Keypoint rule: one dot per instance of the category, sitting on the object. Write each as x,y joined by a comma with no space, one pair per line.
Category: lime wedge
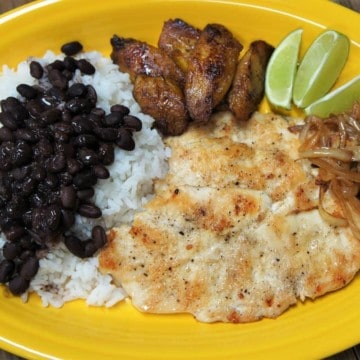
320,67
281,69
337,101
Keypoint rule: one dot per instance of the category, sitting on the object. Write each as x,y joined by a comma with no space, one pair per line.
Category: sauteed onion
333,146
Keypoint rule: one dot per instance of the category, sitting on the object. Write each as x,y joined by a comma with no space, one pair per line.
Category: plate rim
38,4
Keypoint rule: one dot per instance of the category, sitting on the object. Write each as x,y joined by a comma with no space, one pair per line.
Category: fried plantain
247,89
178,39
139,58
163,99
211,69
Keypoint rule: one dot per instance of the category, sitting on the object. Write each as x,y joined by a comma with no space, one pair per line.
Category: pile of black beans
55,144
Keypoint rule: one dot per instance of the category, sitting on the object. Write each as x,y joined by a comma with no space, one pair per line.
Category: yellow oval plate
311,330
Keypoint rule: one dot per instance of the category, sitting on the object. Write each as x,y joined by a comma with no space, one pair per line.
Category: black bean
6,134
68,197
90,248
56,163
89,211
22,153
67,219
70,63
61,137
75,245
26,243
50,182
27,91
55,95
68,149
84,179
107,134
56,65
73,166
26,254
14,209
38,172
98,235
34,124
28,186
18,285
124,110
35,108
101,172
86,67
97,112
132,123
36,70
53,217
91,95
7,268
36,200
19,113
106,153
71,48
113,119
65,178
68,74
38,220
5,163
87,140
125,140
8,120
9,103
51,116
57,79
29,268
81,125
14,232
46,220
77,90
87,156
42,133
79,106
5,220
20,173
43,149
7,148
26,218
64,127
25,134
11,250
85,194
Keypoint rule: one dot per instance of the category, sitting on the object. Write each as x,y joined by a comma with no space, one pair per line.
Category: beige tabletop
349,354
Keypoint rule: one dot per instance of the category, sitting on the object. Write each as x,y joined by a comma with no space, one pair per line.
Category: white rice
62,277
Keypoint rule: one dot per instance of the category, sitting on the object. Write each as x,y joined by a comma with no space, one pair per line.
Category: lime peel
337,101
281,70
320,67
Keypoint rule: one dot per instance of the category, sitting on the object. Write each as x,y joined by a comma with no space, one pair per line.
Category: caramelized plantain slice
211,70
247,89
178,39
139,58
163,99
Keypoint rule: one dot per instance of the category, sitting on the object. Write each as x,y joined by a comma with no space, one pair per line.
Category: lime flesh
337,101
281,70
320,67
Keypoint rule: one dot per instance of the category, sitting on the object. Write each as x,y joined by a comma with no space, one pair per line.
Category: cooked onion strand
333,145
